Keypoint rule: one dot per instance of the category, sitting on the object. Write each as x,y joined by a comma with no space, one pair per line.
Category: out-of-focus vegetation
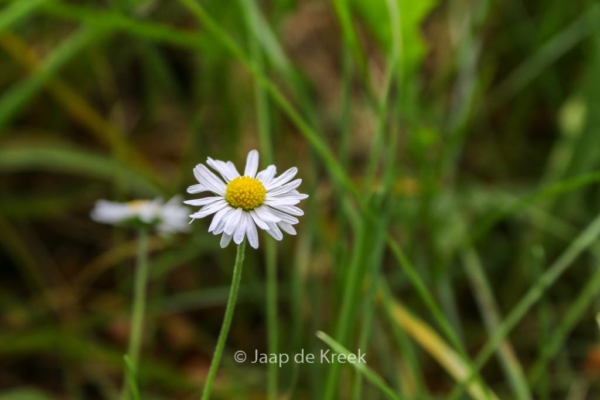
451,150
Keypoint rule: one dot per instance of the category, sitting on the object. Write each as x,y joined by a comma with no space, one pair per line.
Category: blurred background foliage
450,148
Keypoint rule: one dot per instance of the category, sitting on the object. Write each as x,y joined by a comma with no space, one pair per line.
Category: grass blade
133,387
489,311
17,11
436,347
72,160
16,98
581,243
360,367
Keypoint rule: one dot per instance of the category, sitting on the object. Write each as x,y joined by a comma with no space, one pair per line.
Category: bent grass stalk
235,287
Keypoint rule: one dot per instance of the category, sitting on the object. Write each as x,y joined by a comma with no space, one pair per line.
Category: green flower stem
139,308
235,286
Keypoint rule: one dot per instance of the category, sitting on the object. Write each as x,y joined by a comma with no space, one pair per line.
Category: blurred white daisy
244,202
169,217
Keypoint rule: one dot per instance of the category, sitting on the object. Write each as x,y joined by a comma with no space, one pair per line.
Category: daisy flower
242,203
169,217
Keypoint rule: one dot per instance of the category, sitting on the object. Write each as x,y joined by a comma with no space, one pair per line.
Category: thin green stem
235,287
138,310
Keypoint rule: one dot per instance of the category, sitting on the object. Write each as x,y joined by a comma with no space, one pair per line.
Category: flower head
241,203
166,217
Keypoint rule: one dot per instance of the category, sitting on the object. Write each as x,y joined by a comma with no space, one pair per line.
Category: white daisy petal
233,221
225,239
258,221
165,218
251,233
290,195
218,217
149,211
284,189
276,202
203,202
210,209
109,212
266,175
275,232
282,179
240,230
290,210
197,189
221,224
233,168
175,200
209,180
283,200
220,166
287,228
283,216
251,164
266,215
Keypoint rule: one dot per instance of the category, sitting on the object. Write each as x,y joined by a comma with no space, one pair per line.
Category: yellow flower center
136,204
245,192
